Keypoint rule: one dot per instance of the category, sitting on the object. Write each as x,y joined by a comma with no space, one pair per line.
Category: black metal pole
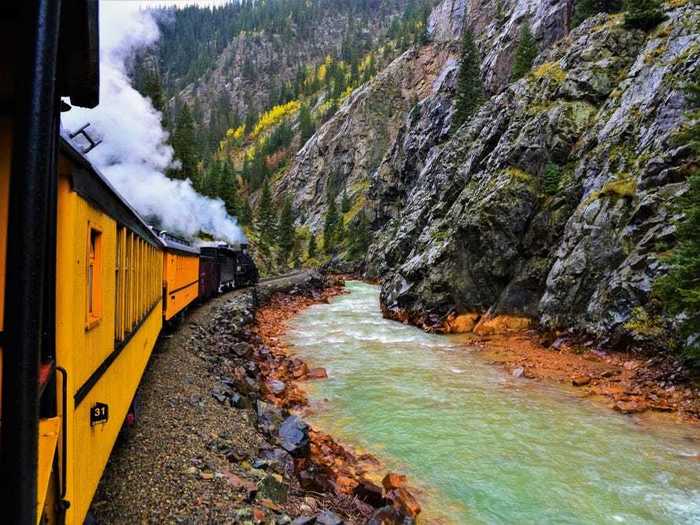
25,290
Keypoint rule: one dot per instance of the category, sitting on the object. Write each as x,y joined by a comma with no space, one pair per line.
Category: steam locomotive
85,284
212,268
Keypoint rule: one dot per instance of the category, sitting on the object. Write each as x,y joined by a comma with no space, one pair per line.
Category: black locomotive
223,267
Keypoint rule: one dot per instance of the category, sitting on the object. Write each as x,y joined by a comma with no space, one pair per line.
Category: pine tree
470,91
285,231
153,89
526,53
183,142
359,237
306,125
643,14
312,247
265,223
251,118
552,178
587,8
245,215
330,226
296,253
680,288
228,189
345,202
339,233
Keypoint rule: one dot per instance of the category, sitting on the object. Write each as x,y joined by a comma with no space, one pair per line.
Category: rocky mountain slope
553,205
232,63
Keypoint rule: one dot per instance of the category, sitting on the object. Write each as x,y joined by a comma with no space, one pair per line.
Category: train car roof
93,186
174,244
224,248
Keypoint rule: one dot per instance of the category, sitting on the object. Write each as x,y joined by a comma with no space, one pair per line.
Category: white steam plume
134,154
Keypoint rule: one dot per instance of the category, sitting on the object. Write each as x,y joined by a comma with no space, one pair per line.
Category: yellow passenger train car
180,275
81,275
108,318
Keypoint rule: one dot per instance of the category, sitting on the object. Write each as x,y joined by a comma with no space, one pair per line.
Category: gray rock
269,417
327,517
304,520
242,349
278,460
276,386
294,436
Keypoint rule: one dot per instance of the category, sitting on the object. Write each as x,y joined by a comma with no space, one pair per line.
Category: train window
94,277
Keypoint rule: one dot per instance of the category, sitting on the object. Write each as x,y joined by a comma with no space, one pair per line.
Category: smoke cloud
134,154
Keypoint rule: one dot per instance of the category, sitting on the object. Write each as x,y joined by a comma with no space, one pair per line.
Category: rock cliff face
478,232
350,146
552,205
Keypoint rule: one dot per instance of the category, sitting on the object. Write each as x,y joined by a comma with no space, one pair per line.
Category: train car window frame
93,277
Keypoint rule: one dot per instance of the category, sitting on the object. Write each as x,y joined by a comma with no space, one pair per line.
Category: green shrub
470,90
586,8
643,14
552,179
526,53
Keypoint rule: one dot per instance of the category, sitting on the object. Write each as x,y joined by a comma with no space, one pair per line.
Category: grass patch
550,70
622,187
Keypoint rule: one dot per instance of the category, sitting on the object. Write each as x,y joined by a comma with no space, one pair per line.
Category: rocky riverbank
215,441
632,381
325,466
627,382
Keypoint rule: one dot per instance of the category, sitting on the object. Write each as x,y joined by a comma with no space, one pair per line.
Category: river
479,445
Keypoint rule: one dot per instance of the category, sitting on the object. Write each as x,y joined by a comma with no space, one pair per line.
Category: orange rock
630,407
499,324
461,324
581,380
258,515
404,501
317,373
394,481
345,485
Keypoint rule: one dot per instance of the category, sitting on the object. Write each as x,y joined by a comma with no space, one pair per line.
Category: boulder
313,480
304,520
273,487
317,373
269,417
630,407
276,386
404,501
294,436
219,396
394,480
242,349
581,380
389,515
278,460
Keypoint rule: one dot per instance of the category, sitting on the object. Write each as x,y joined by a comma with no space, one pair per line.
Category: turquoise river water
479,445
